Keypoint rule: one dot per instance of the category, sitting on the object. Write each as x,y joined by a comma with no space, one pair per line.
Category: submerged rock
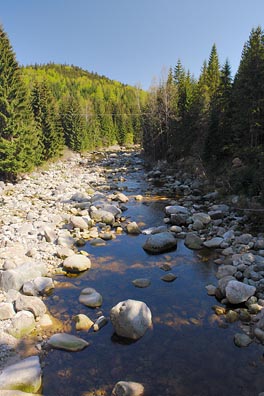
242,340
91,298
141,282
193,241
131,318
67,342
128,388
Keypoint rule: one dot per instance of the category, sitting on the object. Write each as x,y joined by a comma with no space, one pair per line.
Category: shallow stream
187,352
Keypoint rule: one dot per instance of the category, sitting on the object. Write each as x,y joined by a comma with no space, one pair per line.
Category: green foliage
18,132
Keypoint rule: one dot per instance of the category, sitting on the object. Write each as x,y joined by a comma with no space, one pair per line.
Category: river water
187,352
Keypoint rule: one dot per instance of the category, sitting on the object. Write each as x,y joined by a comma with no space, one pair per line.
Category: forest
215,119
45,108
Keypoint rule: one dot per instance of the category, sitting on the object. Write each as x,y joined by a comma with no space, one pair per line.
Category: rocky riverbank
48,216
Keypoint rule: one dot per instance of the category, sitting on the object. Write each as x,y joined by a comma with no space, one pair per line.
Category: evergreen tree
248,94
217,145
47,119
213,72
74,125
18,132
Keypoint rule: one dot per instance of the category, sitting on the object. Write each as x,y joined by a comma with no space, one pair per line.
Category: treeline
214,118
45,107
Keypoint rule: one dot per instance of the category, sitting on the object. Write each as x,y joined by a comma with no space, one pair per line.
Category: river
189,350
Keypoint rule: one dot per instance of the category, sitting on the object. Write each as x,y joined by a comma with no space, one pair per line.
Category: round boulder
131,318
159,243
77,263
91,298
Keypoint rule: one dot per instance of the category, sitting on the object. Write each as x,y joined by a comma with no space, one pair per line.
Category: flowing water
187,352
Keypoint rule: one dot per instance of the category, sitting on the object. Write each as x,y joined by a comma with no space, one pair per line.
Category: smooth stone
259,334
128,388
193,241
141,282
168,277
98,242
165,267
24,375
100,322
232,316
83,322
67,342
43,285
211,290
213,243
17,393
242,340
102,216
79,222
225,270
160,243
238,292
6,311
32,304
21,324
91,298
15,278
174,209
131,318
204,218
133,228
77,263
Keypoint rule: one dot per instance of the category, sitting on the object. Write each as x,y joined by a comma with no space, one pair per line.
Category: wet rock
91,298
259,334
219,310
131,318
121,197
43,285
159,243
123,388
238,292
211,290
100,322
242,340
193,241
67,342
82,322
77,263
139,198
141,282
232,316
168,277
154,230
98,242
24,376
133,228
17,393
244,239
244,315
223,282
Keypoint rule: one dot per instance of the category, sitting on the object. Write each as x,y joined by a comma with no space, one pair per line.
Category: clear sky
129,40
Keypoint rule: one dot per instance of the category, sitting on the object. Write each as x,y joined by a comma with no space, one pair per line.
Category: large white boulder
131,318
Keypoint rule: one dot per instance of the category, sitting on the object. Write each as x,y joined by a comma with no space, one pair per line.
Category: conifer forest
213,119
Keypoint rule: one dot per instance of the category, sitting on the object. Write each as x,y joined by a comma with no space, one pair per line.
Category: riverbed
188,351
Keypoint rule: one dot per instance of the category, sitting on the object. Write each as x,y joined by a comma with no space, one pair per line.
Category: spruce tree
74,125
47,119
18,132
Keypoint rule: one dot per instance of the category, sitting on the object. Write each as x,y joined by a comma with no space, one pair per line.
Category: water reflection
187,352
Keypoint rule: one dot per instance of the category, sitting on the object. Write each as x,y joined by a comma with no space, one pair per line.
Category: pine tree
18,132
47,119
213,72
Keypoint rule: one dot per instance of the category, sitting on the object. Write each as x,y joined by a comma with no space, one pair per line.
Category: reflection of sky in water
185,353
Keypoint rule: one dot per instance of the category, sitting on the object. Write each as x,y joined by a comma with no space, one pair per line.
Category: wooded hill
216,119
45,107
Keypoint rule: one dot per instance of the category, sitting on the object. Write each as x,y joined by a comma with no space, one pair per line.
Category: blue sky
129,40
